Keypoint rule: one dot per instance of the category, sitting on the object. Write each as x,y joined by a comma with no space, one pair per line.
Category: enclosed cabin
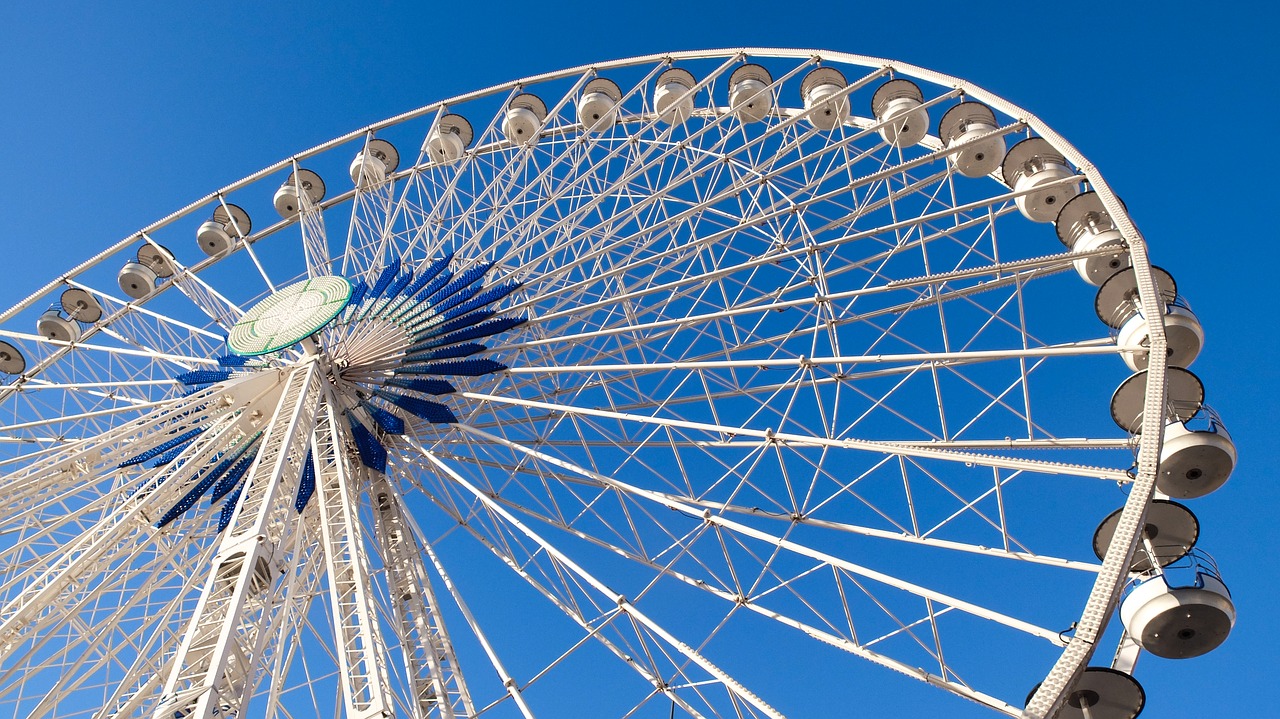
300,191
825,102
897,105
1119,305
673,95
52,325
11,360
1101,693
1085,227
62,321
1184,398
1181,610
965,130
523,120
374,164
598,105
1176,604
449,139
750,99
139,278
1197,456
219,233
1040,174
1170,532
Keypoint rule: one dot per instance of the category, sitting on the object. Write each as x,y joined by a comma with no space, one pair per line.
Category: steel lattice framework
718,391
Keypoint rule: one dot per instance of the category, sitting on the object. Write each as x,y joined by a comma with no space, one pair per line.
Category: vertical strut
437,683
361,653
215,669
315,243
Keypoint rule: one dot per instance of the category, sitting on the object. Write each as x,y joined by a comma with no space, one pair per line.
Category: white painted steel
437,684
361,651
748,317
215,670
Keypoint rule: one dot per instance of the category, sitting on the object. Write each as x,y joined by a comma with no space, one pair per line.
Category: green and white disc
289,316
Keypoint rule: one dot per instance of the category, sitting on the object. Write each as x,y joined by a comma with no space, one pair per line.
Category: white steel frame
645,251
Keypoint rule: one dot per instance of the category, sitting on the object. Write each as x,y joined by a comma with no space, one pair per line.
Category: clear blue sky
113,115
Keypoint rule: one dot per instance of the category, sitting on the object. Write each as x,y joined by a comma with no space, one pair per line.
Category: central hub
289,316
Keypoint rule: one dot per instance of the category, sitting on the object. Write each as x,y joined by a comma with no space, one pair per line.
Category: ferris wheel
640,390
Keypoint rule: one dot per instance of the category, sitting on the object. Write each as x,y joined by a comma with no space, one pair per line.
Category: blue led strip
386,421
229,508
225,462
433,412
306,484
203,377
445,314
177,442
372,454
231,479
488,328
425,386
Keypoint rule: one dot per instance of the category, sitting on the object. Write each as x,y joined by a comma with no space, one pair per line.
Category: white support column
214,671
924,451
432,666
361,652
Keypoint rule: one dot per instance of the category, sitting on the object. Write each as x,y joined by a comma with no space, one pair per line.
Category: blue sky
115,115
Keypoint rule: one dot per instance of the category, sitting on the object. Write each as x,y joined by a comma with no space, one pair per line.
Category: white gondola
373,164
303,187
824,102
1102,693
220,233
522,122
963,124
1035,168
137,280
1185,397
750,99
1184,611
673,96
598,106
1182,329
1171,531
1120,307
449,139
52,325
897,103
11,360
1197,456
80,305
158,258
1085,226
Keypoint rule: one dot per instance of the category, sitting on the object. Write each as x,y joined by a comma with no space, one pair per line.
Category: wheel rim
739,306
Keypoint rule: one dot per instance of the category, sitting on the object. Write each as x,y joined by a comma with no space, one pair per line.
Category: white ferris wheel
616,392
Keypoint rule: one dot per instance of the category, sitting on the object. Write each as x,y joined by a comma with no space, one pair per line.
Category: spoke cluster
388,348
